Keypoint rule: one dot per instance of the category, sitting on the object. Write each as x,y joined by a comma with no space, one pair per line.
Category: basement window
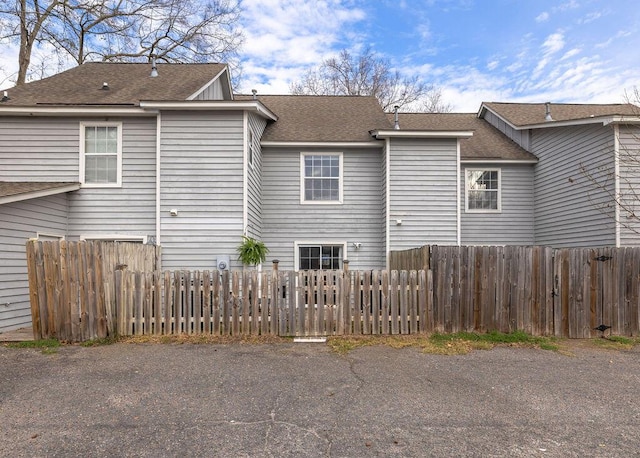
316,257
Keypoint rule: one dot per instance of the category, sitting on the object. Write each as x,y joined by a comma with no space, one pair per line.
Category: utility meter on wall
222,263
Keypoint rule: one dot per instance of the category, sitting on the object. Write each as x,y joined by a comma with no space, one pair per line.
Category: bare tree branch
367,74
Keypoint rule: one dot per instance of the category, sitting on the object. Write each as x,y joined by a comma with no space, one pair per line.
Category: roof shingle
486,143
16,188
525,114
129,83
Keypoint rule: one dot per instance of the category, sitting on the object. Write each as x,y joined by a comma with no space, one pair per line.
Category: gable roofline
216,105
21,190
382,134
605,119
76,110
225,70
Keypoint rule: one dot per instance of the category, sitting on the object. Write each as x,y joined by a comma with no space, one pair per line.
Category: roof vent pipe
154,68
396,124
548,115
255,94
5,97
105,86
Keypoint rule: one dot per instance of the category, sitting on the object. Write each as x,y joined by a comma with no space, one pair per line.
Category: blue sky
583,51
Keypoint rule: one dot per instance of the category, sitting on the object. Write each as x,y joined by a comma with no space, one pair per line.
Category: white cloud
542,17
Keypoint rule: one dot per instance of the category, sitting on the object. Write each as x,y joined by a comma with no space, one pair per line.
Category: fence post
346,265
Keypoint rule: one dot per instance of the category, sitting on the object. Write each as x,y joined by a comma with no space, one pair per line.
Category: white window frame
251,147
49,236
115,238
314,243
466,190
340,179
83,127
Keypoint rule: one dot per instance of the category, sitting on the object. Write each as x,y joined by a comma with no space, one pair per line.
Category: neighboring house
178,160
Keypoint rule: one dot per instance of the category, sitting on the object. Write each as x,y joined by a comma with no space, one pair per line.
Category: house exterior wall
514,224
357,220
629,154
201,177
521,137
131,208
571,209
212,92
39,149
20,221
423,181
257,125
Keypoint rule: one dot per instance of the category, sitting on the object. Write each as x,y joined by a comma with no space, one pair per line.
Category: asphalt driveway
303,400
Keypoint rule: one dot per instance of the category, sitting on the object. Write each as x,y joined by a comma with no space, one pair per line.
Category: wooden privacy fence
305,303
539,290
71,285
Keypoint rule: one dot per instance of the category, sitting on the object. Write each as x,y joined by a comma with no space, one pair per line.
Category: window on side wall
321,181
101,154
250,149
316,257
483,190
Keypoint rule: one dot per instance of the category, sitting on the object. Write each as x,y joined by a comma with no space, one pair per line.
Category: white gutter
421,134
245,172
498,161
254,106
458,211
37,194
267,144
387,145
616,161
158,172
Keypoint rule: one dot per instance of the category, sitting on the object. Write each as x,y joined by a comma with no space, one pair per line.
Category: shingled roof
129,83
526,114
486,143
319,118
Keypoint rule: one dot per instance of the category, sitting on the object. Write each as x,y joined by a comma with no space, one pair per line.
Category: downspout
245,172
387,146
458,212
158,169
616,171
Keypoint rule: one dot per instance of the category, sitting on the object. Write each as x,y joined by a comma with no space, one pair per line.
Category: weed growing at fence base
445,344
616,342
48,346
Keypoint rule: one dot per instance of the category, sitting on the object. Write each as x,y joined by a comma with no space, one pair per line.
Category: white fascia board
421,133
37,194
623,120
267,144
222,105
498,161
199,91
75,111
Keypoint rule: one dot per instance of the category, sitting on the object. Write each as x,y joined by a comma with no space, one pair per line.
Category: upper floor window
101,154
483,190
321,178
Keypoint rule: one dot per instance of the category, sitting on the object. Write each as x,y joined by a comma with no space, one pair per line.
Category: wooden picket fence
71,285
304,303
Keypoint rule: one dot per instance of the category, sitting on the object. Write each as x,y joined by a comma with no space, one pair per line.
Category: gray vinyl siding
521,137
39,149
357,220
383,197
514,224
423,188
211,92
20,221
572,210
629,185
130,209
257,125
202,177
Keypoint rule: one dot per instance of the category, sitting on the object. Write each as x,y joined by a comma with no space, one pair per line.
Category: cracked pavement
301,400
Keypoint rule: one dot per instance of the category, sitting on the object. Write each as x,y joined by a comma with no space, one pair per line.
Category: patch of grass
445,344
99,342
616,342
48,346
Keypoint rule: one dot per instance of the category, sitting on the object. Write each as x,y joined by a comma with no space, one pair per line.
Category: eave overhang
76,110
498,161
211,105
40,193
278,144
